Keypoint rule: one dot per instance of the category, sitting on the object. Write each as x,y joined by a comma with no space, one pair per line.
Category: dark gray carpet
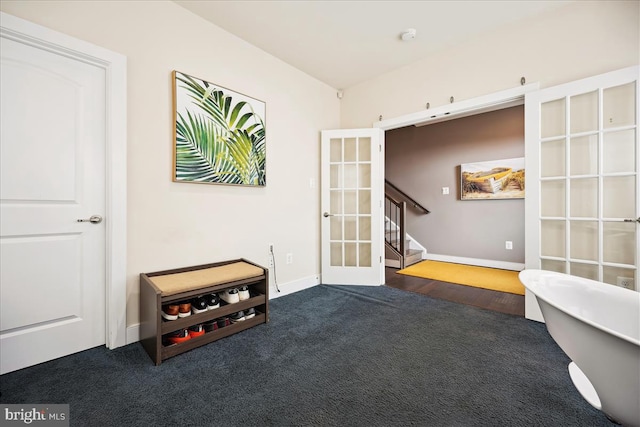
330,356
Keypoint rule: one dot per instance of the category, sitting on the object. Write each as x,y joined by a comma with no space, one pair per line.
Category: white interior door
52,288
352,222
582,171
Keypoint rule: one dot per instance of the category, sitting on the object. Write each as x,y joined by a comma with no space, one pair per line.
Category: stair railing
395,232
407,197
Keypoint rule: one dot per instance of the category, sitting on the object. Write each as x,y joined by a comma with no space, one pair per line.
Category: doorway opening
423,154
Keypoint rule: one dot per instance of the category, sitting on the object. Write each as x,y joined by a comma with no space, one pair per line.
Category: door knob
326,214
632,220
94,219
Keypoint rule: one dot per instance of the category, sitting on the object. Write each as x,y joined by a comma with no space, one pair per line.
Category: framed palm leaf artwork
219,134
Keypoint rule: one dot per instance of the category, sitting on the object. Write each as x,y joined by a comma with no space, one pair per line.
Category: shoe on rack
243,293
196,331
213,301
198,305
185,309
223,321
230,296
211,325
249,313
170,311
176,337
237,317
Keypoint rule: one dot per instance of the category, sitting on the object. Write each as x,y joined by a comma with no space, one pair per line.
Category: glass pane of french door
589,183
350,201
349,204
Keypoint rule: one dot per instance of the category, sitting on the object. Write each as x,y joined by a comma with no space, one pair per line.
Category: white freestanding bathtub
598,326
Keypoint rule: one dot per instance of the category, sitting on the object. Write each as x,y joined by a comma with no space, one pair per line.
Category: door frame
115,68
482,104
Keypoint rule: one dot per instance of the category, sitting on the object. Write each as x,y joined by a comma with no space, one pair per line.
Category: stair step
413,256
408,251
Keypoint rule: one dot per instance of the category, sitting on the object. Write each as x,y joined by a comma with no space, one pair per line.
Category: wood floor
483,298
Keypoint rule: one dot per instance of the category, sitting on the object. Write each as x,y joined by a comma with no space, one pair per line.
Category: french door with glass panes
351,206
587,187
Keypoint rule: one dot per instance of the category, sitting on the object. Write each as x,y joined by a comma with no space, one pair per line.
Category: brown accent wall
422,160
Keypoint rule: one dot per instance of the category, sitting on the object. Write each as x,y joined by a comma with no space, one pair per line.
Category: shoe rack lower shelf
175,349
190,282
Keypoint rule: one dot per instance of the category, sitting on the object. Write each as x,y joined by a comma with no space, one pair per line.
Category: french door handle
326,214
632,220
94,219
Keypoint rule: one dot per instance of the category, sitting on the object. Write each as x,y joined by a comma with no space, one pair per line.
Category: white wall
176,224
579,40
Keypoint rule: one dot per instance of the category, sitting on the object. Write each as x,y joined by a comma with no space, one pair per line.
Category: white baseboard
133,333
295,286
504,265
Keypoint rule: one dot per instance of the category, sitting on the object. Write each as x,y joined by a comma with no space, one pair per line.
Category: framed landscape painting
497,179
219,136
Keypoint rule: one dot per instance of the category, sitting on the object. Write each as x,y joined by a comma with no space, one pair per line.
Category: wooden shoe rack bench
183,284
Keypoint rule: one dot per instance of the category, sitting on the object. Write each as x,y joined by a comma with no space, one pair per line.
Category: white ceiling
343,43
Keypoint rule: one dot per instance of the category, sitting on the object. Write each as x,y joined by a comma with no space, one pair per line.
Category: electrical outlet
445,190
625,282
270,255
508,245
289,258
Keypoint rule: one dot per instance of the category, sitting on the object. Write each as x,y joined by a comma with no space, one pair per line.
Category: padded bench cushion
171,284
